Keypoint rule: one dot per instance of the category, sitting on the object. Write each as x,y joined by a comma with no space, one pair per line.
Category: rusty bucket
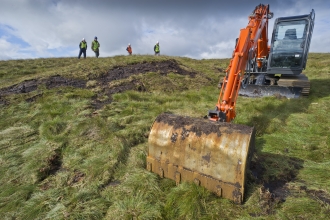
212,154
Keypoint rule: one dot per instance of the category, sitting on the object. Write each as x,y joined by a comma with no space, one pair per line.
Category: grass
61,159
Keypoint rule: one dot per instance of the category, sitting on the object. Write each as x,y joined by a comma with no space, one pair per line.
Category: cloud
193,28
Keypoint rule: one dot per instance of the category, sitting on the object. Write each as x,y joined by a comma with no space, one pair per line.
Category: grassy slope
101,157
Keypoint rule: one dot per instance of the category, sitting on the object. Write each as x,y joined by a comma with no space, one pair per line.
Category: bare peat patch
117,73
274,189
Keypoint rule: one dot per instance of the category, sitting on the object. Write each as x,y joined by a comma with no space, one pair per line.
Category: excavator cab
282,71
290,44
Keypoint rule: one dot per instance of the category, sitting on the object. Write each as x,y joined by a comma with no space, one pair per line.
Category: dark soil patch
24,87
276,190
58,81
106,91
319,195
112,183
32,85
45,186
162,68
34,98
117,73
77,177
3,101
124,72
54,163
201,126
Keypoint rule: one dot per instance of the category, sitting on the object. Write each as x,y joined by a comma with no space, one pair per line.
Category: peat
117,73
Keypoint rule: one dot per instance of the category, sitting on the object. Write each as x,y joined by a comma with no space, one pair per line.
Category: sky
197,29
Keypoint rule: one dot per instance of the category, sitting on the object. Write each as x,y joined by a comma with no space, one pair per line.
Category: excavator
214,152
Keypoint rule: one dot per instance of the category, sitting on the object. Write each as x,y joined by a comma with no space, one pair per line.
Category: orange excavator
215,153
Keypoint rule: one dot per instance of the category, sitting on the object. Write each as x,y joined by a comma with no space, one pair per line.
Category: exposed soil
117,73
201,126
275,191
163,68
32,85
319,195
77,177
54,163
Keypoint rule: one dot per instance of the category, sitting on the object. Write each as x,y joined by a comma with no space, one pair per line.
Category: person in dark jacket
83,48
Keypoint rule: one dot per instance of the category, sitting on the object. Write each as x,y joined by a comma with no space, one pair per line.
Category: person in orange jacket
129,49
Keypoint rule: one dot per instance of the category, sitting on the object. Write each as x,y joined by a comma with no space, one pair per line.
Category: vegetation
63,157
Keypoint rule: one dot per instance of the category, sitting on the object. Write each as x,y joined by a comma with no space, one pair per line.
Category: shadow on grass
319,89
273,171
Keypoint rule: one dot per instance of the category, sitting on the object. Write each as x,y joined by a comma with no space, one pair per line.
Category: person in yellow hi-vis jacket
157,49
83,48
95,47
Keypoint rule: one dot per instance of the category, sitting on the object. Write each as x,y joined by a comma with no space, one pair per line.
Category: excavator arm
252,42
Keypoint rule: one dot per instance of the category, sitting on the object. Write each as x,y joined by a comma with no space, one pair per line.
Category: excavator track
287,86
300,81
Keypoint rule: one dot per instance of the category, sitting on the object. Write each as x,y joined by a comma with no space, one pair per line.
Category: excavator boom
252,42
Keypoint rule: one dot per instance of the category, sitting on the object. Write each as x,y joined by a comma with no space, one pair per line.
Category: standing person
157,49
83,48
129,49
95,47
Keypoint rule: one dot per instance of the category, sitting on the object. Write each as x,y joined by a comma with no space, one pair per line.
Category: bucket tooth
219,191
177,178
197,181
149,166
161,172
212,154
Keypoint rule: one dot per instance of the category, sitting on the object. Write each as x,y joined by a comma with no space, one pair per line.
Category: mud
32,85
77,177
319,195
201,126
34,98
58,81
162,68
276,190
269,198
117,73
54,163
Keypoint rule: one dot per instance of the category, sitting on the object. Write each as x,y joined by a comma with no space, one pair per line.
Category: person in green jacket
95,47
157,49
83,48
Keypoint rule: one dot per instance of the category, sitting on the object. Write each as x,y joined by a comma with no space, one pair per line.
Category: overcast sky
192,28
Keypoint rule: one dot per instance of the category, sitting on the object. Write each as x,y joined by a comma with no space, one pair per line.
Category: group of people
96,45
83,47
156,49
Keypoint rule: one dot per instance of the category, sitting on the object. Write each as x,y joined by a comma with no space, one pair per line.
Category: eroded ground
272,192
102,82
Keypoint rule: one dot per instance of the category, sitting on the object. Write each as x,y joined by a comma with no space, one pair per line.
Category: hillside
73,140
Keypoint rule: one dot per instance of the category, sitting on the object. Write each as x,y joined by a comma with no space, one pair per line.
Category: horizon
199,30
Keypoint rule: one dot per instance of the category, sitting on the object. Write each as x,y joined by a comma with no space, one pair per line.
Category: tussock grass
61,159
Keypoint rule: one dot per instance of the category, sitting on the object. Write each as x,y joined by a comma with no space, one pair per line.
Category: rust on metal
212,154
